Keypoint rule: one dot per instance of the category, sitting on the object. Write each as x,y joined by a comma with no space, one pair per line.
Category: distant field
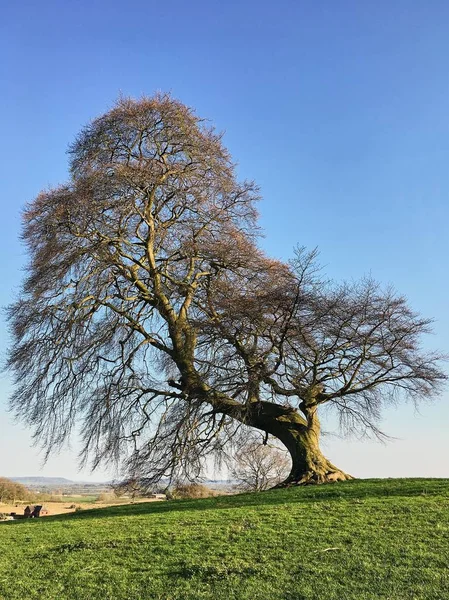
358,540
69,505
78,499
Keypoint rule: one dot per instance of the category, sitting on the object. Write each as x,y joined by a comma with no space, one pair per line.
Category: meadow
357,540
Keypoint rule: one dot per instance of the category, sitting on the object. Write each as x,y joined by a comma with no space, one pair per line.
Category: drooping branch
149,315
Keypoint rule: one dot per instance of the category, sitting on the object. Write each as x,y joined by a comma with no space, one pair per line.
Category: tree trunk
300,435
301,438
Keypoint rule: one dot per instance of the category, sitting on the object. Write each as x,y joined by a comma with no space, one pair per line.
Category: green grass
358,540
75,499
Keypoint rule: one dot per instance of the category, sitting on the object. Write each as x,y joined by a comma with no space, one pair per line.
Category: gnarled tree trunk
301,438
299,434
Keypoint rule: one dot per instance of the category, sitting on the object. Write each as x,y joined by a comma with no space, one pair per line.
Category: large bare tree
150,317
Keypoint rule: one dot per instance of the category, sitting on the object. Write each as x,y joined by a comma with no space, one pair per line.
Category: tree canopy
11,491
150,315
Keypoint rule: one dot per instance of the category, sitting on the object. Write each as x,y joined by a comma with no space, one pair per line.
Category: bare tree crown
149,314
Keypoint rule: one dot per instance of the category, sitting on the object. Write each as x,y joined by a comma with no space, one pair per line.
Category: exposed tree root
316,478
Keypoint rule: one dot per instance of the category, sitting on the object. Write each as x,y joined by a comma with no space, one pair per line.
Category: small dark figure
27,512
37,511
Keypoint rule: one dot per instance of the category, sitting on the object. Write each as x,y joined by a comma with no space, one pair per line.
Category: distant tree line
11,491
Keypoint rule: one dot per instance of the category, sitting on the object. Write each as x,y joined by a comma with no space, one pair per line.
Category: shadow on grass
348,490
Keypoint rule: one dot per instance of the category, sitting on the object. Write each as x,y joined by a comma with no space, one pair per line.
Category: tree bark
300,435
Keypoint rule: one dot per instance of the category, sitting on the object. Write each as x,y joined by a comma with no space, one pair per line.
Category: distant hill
62,485
42,481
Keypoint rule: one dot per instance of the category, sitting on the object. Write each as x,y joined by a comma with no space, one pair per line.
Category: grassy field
79,499
358,540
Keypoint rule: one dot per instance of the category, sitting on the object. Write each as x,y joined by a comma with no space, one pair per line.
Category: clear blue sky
339,110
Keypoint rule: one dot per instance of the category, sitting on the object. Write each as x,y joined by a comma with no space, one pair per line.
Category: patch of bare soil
58,508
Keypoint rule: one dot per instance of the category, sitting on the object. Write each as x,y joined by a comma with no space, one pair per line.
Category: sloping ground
356,540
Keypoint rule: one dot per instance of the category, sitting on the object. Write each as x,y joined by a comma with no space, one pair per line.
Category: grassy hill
358,540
